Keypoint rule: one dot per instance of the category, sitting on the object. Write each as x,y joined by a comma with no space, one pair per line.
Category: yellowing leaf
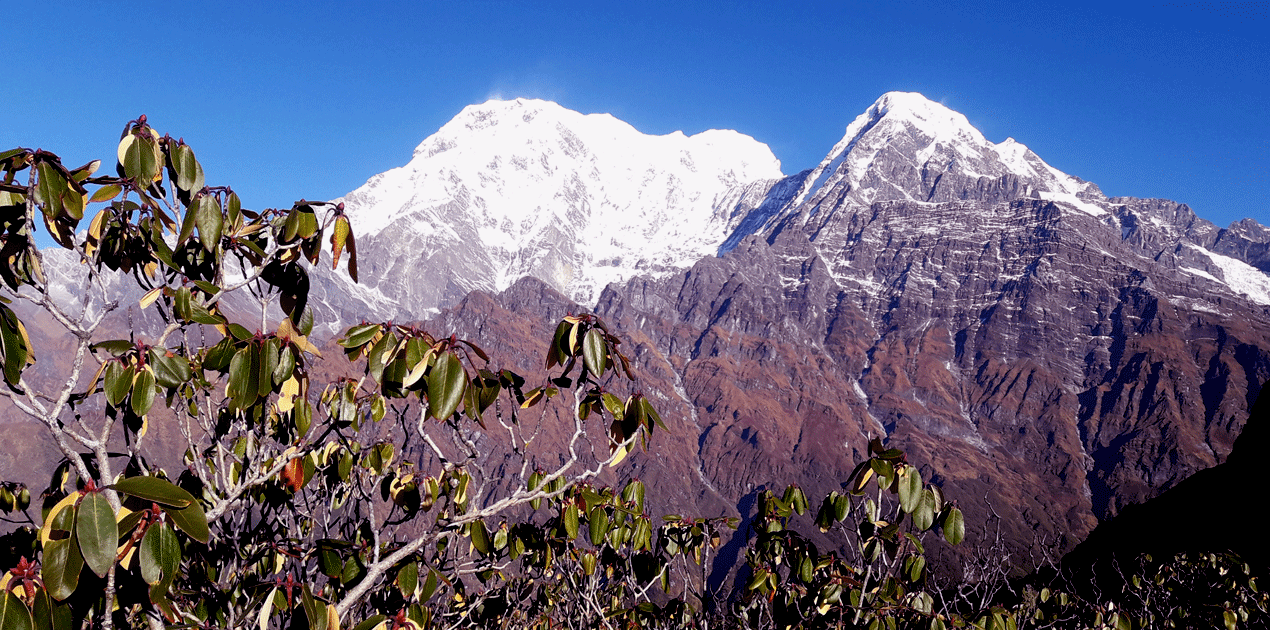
68,500
286,397
124,144
339,236
151,296
95,226
415,374
619,454
266,610
332,618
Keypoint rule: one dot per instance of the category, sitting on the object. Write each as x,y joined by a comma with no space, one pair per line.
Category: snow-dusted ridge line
527,187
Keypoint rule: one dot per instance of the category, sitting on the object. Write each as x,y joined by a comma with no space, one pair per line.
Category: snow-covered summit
932,141
528,187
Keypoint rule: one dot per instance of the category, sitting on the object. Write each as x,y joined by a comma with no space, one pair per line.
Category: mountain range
1050,354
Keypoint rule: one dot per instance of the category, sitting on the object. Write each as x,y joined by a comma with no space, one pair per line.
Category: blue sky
290,100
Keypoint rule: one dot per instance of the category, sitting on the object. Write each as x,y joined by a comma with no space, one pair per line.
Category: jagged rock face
1018,353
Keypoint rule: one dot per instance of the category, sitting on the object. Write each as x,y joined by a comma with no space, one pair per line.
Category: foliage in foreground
362,503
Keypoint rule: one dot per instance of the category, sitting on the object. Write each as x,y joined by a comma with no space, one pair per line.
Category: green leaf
96,532
924,515
170,370
302,413
885,472
14,614
140,162
143,393
218,357
129,522
314,610
239,332
916,567
15,348
118,382
446,383
646,407
188,223
353,570
190,520
210,220
113,347
571,521
106,193
329,561
358,336
429,586
910,489
954,526
614,405
371,622
189,173
375,359
234,210
49,188
555,354
62,562
49,615
598,521
160,554
305,325
268,363
480,538
408,579
200,315
488,389
806,570
841,505
159,597
62,559
244,370
593,352
155,490
634,493
285,367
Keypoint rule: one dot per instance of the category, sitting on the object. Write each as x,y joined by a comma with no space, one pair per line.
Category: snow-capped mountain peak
528,187
933,141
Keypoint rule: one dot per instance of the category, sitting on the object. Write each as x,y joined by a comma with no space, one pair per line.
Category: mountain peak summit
906,147
528,187
927,116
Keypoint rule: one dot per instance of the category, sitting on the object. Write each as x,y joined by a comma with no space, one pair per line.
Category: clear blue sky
290,100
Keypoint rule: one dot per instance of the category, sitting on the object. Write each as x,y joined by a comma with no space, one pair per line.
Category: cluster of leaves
14,496
1185,590
881,579
134,545
595,559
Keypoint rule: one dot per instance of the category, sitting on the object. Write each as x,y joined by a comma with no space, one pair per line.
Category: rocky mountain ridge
1038,346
